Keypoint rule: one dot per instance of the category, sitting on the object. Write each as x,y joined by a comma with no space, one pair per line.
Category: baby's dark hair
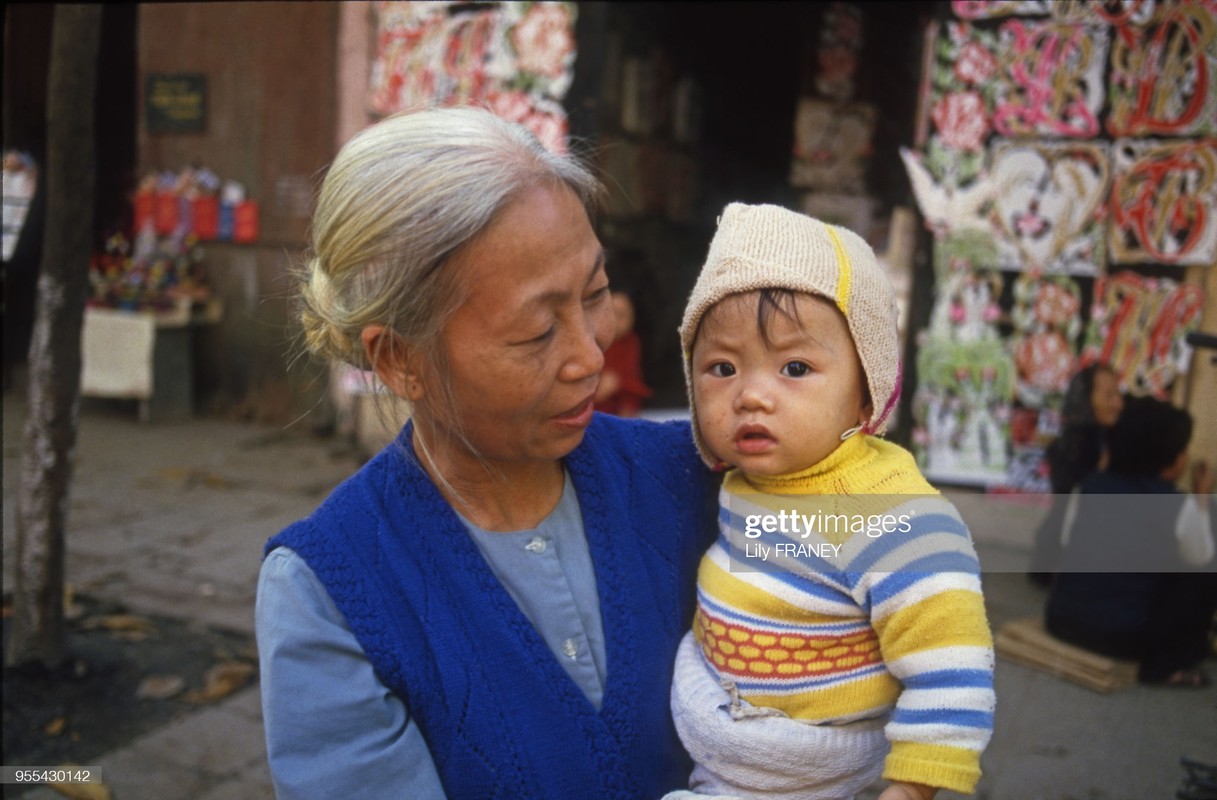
771,302
1148,437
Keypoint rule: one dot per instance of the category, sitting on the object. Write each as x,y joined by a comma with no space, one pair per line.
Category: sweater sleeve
322,702
926,606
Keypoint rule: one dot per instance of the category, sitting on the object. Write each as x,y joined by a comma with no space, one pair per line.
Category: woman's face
525,349
1105,399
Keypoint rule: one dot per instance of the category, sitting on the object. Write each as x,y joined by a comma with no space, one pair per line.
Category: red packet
245,221
207,218
166,213
145,209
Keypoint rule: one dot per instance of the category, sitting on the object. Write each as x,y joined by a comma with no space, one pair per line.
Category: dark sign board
175,103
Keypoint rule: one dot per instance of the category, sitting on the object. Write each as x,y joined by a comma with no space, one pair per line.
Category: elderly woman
491,606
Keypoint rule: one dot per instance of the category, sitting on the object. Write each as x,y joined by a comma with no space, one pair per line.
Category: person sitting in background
622,389
1161,615
1092,405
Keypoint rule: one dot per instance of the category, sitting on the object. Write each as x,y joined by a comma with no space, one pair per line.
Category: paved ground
170,518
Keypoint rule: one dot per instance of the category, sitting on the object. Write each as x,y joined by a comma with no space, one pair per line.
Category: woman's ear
393,362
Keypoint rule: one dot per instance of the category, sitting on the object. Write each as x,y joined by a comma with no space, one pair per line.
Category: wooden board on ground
1024,641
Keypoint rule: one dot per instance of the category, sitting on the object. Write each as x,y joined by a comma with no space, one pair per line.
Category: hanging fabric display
516,58
837,51
832,145
1048,209
968,288
1088,12
1162,76
1051,83
1138,326
990,9
832,131
1055,140
960,98
965,374
1164,202
1047,322
963,407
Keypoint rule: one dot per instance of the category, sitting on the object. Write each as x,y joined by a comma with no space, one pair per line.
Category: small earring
850,432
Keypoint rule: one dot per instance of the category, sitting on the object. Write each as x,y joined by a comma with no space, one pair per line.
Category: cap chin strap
850,432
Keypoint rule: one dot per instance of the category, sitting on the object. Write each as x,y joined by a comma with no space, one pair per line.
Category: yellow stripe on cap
843,282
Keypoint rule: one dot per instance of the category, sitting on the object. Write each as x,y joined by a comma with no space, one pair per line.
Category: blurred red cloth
624,358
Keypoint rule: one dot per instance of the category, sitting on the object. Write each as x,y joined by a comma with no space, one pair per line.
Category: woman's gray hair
399,200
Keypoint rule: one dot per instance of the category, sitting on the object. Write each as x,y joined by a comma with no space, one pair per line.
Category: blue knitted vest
500,715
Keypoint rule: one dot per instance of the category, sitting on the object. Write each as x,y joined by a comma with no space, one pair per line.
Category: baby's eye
722,370
795,369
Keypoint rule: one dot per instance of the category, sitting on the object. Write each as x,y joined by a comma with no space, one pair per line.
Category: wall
271,117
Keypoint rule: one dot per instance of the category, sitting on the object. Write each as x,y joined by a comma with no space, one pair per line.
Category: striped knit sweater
878,613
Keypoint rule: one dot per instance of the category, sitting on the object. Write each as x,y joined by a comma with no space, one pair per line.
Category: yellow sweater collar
861,464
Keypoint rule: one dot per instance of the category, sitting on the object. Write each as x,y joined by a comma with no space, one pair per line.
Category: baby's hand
908,791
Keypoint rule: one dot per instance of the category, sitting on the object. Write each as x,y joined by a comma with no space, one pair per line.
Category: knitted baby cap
770,247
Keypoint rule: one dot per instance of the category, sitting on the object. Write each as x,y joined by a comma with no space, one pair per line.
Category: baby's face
782,407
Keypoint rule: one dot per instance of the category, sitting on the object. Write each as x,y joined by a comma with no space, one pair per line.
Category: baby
822,656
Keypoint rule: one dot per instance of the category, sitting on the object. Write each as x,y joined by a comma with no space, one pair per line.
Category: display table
145,356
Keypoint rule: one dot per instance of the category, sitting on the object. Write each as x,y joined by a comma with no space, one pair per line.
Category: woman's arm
332,728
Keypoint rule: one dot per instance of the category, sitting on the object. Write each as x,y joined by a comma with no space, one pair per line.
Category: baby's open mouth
753,438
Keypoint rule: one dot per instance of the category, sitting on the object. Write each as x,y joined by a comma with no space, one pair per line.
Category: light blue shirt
334,730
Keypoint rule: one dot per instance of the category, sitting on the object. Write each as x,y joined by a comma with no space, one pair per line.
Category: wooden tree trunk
37,633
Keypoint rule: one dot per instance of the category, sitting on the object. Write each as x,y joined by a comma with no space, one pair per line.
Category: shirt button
536,545
570,648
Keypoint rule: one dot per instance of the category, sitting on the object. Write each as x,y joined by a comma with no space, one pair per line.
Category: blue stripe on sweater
921,524
844,628
960,717
920,569
824,567
951,679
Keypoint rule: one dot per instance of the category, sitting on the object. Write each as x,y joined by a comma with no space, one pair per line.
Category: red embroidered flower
543,40
962,120
1055,305
976,64
1045,361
